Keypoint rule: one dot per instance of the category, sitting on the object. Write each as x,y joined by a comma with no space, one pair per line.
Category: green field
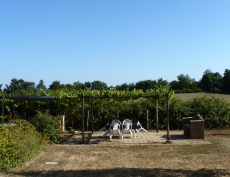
187,96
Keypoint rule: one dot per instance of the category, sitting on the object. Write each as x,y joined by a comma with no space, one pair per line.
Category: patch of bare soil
136,160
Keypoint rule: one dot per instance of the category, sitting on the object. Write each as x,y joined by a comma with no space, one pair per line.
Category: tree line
212,82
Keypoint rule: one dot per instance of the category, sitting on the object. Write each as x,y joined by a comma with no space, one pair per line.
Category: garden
37,129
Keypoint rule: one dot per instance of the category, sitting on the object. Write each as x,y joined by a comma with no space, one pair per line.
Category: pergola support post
92,119
147,119
168,135
157,128
2,121
83,124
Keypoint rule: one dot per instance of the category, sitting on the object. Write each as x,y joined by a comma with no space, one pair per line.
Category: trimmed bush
47,125
19,142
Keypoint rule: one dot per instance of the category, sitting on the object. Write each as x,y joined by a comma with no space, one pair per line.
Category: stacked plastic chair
115,128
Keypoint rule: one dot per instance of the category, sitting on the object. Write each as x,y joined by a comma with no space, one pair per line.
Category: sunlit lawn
139,160
187,96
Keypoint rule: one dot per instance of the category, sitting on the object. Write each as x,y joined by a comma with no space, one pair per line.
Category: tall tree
88,85
211,82
98,85
184,82
68,86
41,85
78,85
161,82
56,85
125,86
19,85
226,81
146,84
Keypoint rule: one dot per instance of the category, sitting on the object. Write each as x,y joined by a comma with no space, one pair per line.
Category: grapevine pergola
26,98
157,93
168,94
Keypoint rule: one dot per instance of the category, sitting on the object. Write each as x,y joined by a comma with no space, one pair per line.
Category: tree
161,82
41,85
146,84
78,85
68,86
125,86
88,85
56,85
211,82
19,85
226,81
184,83
98,85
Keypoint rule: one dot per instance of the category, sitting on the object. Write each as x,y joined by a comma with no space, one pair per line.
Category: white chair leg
134,134
111,134
131,133
143,129
139,133
119,133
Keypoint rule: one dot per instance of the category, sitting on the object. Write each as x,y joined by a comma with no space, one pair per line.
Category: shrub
18,142
47,125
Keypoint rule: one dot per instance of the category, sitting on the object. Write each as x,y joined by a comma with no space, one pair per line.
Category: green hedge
19,142
47,125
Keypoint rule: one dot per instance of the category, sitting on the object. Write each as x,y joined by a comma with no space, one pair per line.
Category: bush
47,125
18,142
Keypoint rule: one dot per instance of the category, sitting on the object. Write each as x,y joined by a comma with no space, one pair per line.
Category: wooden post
168,135
87,121
147,119
92,120
157,115
2,110
63,122
83,129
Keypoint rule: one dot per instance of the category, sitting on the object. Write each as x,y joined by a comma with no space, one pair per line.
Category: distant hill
187,96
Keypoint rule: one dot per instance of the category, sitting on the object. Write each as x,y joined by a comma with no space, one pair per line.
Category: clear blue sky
114,41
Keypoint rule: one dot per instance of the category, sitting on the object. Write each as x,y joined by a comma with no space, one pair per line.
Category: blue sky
114,41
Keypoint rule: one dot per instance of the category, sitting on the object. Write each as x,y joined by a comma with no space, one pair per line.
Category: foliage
17,85
226,81
19,141
211,82
214,110
109,104
47,125
184,84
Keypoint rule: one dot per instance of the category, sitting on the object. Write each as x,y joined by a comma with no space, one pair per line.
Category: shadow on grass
76,139
177,137
126,172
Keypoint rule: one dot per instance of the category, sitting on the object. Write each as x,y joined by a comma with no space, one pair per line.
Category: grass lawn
137,160
187,96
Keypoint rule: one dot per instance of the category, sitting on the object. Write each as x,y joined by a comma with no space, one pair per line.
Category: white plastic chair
127,127
140,127
115,128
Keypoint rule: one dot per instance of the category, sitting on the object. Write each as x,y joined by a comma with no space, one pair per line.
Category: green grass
187,96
